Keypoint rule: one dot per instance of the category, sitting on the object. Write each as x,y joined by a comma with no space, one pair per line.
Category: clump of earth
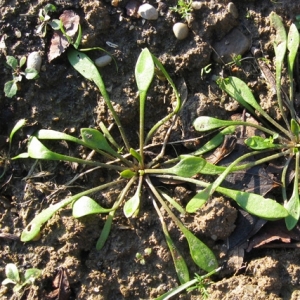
61,99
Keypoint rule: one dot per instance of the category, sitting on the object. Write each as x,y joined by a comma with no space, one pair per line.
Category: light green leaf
127,174
22,61
132,205
32,274
293,205
17,127
12,62
144,70
136,155
201,254
240,91
215,141
12,273
205,123
31,73
10,88
187,167
260,143
292,45
87,206
34,227
96,140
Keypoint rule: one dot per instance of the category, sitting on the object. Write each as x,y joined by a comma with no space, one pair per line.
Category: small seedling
141,257
11,87
19,280
183,8
45,19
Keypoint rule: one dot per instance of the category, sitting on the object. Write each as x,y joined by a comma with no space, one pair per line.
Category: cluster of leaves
136,172
20,280
183,8
283,140
11,87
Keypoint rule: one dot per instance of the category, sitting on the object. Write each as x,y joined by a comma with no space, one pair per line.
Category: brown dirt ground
63,100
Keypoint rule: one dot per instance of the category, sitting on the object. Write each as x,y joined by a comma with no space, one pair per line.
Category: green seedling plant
20,281
280,139
45,19
11,87
135,170
183,8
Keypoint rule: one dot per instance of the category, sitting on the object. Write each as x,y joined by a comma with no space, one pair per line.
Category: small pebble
233,10
196,5
180,30
148,12
34,61
103,61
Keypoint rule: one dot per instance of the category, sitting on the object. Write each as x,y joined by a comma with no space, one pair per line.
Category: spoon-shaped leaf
200,253
144,70
215,141
179,262
33,228
239,90
131,207
87,206
136,155
260,143
187,167
293,205
12,273
95,139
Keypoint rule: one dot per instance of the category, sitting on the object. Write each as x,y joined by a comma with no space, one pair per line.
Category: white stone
180,30
196,5
102,61
233,10
34,61
148,12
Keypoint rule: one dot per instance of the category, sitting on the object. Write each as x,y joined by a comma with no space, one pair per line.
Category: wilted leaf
59,43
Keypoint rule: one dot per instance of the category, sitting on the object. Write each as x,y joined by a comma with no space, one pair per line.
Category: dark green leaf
10,88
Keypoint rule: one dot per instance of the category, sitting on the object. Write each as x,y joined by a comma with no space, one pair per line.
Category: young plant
11,87
20,280
183,8
45,19
281,139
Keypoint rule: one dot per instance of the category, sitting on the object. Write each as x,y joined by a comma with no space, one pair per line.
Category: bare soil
61,99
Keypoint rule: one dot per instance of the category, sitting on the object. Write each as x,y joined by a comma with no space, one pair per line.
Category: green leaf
205,123
215,141
22,61
32,274
136,155
293,205
295,128
34,227
260,143
187,167
49,8
96,140
201,254
55,24
12,273
144,70
31,73
132,205
239,90
292,45
12,62
10,88
127,173
87,206
17,127
105,231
